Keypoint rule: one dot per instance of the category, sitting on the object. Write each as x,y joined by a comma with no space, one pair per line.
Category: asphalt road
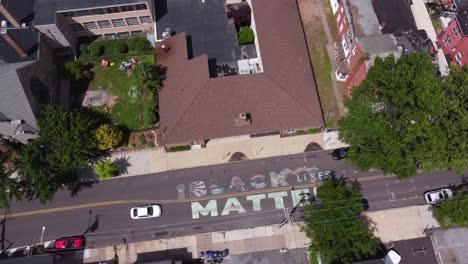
199,200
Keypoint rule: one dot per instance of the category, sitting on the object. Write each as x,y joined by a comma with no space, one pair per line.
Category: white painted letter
211,207
256,204
297,195
232,204
278,196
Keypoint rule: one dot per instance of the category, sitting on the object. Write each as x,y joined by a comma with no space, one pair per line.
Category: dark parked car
340,153
70,243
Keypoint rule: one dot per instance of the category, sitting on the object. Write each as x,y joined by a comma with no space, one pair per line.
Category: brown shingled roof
194,106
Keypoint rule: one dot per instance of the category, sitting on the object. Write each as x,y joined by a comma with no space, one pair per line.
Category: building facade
453,40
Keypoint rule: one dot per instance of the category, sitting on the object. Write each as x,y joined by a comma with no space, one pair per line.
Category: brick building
453,40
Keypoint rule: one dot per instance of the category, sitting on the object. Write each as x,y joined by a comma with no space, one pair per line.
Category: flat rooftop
394,15
208,31
26,38
46,9
194,106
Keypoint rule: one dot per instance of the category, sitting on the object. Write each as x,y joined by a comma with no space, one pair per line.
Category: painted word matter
233,205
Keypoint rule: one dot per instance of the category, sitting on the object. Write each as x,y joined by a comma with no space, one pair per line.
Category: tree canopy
403,118
66,142
9,187
335,226
452,212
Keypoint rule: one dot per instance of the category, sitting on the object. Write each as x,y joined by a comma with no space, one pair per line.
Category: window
123,34
104,24
354,50
127,8
338,17
145,19
111,10
140,7
90,25
110,36
97,11
77,27
68,14
446,40
458,57
118,22
341,27
137,33
131,21
455,30
82,13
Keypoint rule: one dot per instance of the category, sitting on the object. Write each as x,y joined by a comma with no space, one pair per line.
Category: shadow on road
76,187
94,226
2,236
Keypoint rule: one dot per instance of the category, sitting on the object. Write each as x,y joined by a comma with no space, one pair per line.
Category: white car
146,211
434,197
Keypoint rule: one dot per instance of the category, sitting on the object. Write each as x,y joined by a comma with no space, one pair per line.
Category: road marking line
173,201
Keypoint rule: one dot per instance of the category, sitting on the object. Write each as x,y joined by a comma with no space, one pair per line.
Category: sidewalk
238,242
402,223
217,151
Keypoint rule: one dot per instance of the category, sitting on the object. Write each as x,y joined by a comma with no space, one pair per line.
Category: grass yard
125,111
317,44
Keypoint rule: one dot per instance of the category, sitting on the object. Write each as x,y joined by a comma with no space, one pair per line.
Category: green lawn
125,111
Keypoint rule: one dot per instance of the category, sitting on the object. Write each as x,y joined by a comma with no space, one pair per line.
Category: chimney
243,119
8,15
13,43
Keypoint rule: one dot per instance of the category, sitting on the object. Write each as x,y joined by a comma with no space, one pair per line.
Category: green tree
335,226
9,187
245,36
106,169
73,70
391,123
66,142
453,118
108,136
452,212
148,78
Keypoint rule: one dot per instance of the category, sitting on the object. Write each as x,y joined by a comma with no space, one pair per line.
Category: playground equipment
104,63
125,66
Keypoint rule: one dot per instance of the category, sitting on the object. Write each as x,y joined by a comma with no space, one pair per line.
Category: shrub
84,49
150,145
142,139
245,36
314,130
120,47
106,169
131,43
96,50
108,136
142,45
132,145
179,148
73,70
300,132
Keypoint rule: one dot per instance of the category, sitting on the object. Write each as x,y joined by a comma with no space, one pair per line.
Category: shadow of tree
122,164
76,187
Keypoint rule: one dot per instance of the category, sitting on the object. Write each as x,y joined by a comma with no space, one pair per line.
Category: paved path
216,152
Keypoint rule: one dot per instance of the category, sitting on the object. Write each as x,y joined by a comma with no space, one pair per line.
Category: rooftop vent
243,119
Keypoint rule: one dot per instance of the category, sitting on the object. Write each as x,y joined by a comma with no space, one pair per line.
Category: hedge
115,47
178,148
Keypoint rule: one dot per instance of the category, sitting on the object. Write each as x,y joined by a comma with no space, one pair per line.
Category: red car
72,242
